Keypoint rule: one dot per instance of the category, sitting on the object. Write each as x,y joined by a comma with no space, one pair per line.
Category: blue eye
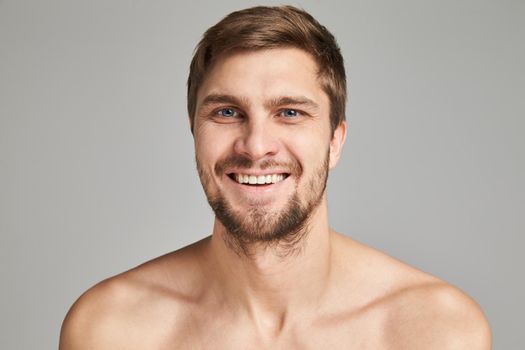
290,113
228,112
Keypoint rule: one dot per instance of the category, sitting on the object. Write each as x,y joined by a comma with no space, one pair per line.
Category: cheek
309,147
204,155
210,148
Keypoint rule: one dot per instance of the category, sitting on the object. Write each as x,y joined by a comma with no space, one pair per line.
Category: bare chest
361,332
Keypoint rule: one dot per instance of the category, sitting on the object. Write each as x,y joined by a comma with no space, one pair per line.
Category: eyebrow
304,101
292,101
213,99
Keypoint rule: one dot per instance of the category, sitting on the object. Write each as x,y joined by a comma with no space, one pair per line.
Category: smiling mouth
257,180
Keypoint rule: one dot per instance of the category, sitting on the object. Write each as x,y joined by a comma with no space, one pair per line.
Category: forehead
264,74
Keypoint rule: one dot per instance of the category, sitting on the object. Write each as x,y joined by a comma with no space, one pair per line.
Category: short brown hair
264,27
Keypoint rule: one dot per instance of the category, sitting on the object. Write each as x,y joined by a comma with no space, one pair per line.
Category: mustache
241,162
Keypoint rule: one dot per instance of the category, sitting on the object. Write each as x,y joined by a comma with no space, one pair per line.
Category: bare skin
332,293
184,301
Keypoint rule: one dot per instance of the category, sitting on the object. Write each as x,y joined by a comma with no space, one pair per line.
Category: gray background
97,171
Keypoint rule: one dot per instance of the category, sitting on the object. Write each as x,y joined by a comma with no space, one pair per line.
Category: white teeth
259,180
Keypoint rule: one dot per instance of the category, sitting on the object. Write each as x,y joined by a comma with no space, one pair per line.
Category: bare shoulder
416,310
136,308
94,319
436,316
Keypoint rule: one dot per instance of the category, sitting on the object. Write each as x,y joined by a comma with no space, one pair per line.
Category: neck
269,285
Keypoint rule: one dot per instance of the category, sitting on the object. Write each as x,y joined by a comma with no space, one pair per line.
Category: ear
336,144
191,122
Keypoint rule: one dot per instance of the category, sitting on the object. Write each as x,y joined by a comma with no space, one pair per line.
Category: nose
256,140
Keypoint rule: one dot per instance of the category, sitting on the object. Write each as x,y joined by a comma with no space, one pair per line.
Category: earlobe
336,144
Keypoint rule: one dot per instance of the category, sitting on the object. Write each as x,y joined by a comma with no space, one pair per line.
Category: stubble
259,227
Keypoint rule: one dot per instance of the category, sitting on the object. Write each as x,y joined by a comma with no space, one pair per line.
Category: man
266,101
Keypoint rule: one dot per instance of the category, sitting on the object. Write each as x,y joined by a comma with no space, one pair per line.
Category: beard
258,225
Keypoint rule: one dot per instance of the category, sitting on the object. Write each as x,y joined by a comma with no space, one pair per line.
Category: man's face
263,142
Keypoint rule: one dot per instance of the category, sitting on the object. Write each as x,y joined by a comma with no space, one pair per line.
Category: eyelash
297,112
219,112
281,112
